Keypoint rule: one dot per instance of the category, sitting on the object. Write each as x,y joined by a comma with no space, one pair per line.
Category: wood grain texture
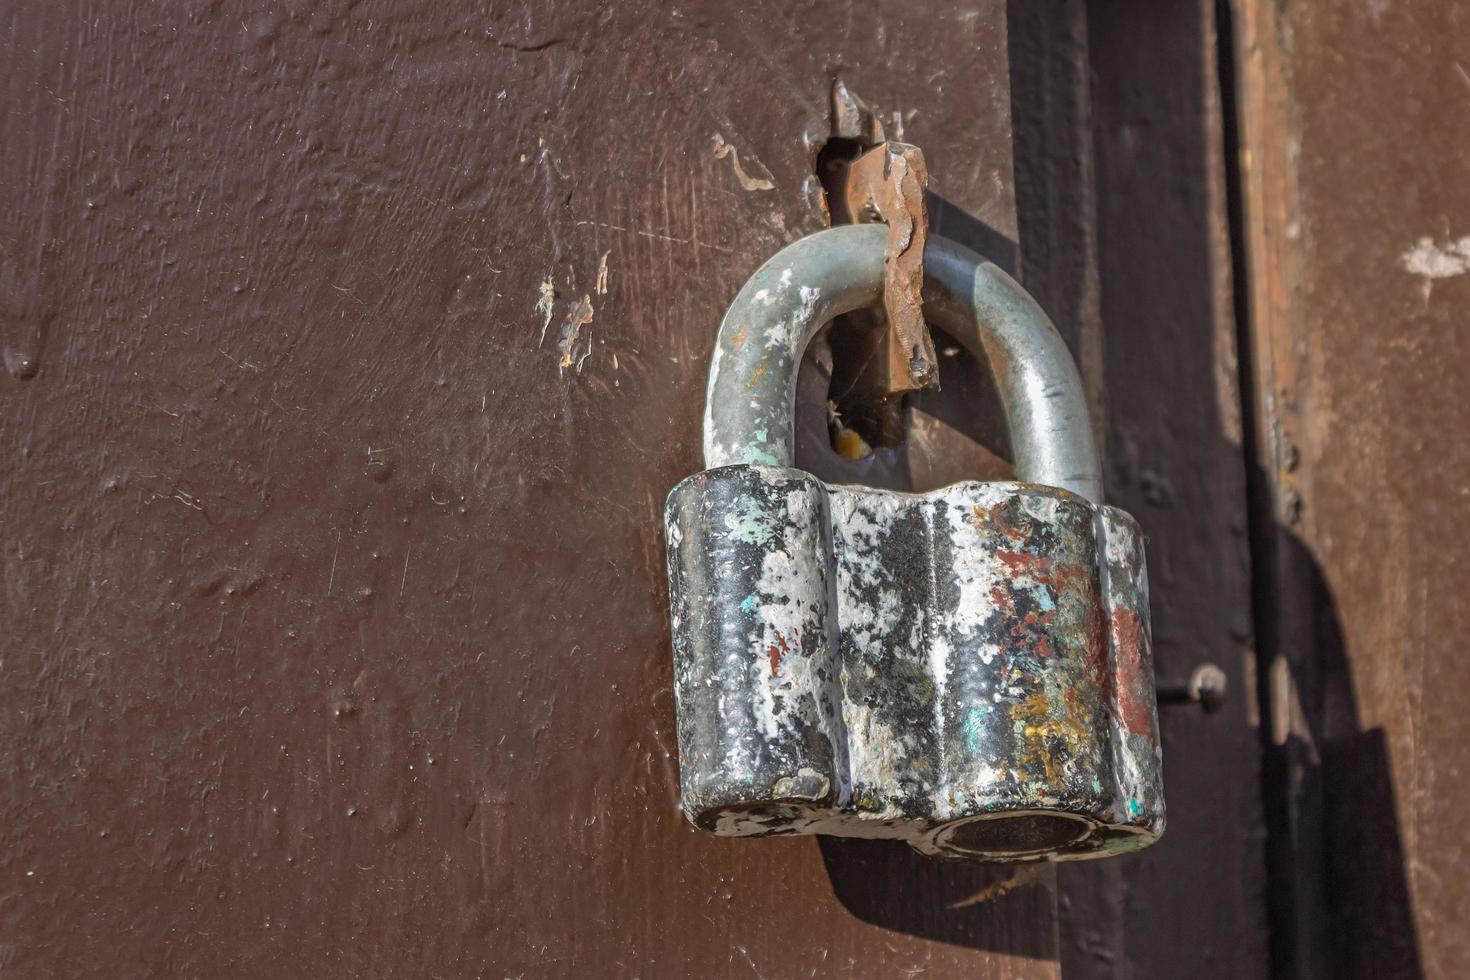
335,636
1354,205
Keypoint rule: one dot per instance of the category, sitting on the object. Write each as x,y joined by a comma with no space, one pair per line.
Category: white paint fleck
792,590
600,288
791,335
574,345
544,305
747,182
1433,261
809,297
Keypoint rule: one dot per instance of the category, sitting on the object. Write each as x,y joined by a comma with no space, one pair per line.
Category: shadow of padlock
969,669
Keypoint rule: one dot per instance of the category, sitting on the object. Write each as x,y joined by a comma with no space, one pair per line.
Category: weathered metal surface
750,399
967,670
886,185
853,119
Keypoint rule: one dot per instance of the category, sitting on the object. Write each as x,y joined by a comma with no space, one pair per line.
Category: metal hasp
886,184
969,669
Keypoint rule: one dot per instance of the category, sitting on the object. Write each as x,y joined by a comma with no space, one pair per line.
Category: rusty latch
886,184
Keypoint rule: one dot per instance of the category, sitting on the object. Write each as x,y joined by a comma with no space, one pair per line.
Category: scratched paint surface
1356,185
333,635
869,663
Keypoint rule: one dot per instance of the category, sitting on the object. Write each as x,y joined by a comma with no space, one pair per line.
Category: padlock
968,670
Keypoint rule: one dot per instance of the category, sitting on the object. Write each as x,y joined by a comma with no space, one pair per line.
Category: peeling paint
747,182
1432,261
575,346
545,305
600,286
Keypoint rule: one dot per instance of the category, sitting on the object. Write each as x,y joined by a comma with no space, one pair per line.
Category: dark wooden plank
1118,107
335,639
1354,200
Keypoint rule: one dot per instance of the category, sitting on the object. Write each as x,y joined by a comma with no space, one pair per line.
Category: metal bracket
886,185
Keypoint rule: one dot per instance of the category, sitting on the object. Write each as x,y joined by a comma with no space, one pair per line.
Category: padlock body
967,670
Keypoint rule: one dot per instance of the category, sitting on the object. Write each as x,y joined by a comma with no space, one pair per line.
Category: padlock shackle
750,402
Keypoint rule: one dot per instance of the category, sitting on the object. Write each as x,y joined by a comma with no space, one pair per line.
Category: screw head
1207,686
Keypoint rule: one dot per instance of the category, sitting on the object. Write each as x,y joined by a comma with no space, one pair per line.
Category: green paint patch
747,522
975,727
761,457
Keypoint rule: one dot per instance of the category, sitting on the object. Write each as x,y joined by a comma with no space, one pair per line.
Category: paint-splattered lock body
967,670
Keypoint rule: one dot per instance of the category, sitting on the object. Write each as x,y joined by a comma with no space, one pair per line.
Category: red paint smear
1043,570
1057,578
997,515
1019,561
776,653
1135,701
1028,632
1001,596
1097,651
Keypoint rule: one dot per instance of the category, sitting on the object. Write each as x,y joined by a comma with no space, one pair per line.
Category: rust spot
1044,570
1053,729
776,652
982,519
1034,716
1096,651
1030,633
1021,563
1001,596
738,341
886,184
757,373
1135,698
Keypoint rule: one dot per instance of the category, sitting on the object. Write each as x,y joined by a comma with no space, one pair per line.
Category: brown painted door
350,347
1355,212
